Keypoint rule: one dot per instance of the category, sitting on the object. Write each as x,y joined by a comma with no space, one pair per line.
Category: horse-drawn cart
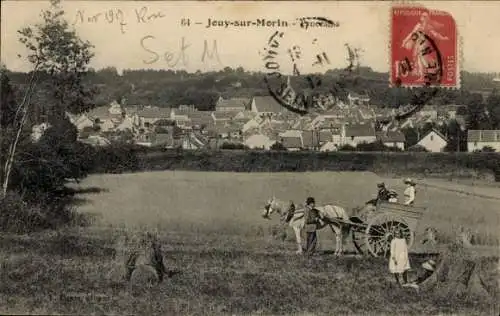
373,235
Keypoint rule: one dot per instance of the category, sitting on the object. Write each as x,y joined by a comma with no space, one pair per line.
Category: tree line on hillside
173,88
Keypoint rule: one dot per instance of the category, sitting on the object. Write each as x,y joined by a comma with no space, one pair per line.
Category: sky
127,39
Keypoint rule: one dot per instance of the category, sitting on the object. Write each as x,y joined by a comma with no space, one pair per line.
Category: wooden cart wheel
380,231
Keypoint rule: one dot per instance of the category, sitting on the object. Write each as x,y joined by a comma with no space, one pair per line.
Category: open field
211,230
207,201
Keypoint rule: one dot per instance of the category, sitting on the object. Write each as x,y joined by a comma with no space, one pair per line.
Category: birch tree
59,60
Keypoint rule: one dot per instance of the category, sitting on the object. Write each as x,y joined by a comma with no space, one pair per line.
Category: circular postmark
426,62
294,73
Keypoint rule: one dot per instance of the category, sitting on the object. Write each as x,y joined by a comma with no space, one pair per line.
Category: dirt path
479,190
483,190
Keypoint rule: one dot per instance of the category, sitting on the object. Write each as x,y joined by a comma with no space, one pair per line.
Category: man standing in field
311,216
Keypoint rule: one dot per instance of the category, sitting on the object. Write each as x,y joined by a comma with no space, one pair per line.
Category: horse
329,215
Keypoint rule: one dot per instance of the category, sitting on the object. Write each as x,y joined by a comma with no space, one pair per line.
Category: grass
211,231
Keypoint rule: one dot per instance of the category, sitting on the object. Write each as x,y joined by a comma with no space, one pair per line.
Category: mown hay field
231,203
212,233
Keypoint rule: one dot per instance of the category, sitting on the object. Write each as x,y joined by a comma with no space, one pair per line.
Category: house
130,110
83,121
314,139
232,105
163,139
323,123
266,105
223,117
244,116
192,141
145,139
358,99
334,112
187,108
478,139
126,124
329,146
80,121
392,139
250,125
433,141
182,115
366,113
37,131
359,133
86,132
384,112
292,140
338,134
96,141
107,125
149,115
428,111
106,118
227,132
259,141
201,120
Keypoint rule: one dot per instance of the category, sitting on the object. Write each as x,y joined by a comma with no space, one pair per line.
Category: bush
278,146
375,146
347,147
417,148
233,146
132,159
488,149
37,197
44,167
116,159
17,216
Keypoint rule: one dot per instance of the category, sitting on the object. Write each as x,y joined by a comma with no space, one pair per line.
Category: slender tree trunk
13,147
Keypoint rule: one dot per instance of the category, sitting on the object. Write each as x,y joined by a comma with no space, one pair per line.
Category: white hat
429,265
410,181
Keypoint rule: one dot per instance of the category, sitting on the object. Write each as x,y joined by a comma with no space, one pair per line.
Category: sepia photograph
249,157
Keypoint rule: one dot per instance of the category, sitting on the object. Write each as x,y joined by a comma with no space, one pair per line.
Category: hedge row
133,159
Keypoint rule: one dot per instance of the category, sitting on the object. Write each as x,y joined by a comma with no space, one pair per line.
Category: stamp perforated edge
459,45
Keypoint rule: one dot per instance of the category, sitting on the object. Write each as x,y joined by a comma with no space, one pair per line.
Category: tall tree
493,108
476,114
60,59
8,108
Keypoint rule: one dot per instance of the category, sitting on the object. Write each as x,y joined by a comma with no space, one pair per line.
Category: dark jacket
311,215
383,194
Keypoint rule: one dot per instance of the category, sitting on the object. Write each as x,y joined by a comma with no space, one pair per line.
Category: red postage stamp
424,48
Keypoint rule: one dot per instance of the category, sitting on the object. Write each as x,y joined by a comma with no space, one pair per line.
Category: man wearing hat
383,194
312,217
409,192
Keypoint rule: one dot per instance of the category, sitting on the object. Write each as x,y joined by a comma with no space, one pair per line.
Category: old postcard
244,158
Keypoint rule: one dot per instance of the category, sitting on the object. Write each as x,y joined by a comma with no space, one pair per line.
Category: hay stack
139,260
144,276
459,274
